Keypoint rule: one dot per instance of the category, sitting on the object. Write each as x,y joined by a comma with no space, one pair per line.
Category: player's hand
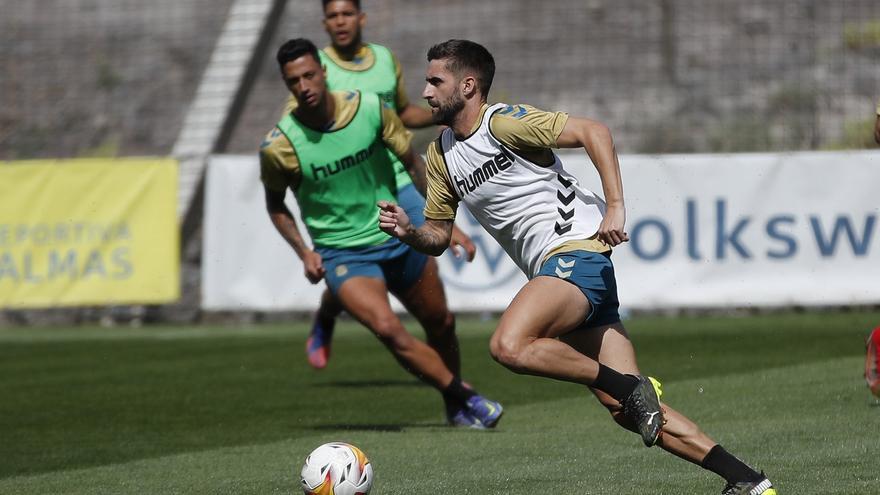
462,245
313,266
392,219
611,229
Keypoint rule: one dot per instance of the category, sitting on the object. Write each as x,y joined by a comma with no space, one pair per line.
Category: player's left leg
611,346
425,299
318,344
415,280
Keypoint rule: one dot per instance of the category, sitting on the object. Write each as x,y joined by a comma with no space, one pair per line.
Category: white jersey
528,208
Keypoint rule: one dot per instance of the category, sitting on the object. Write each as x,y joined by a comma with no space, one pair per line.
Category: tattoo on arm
431,238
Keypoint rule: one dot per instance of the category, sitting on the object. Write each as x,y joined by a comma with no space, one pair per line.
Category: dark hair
294,49
357,3
463,56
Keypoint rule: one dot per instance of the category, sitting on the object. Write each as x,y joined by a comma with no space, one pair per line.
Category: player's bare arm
285,224
432,237
398,140
415,117
461,244
596,139
415,166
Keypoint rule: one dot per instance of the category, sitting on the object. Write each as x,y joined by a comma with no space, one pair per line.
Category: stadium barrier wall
88,232
768,229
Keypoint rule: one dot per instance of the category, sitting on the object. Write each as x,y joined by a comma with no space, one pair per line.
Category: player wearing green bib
352,64
332,152
337,169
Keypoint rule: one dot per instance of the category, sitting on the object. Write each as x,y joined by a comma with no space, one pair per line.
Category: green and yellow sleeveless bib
380,78
344,173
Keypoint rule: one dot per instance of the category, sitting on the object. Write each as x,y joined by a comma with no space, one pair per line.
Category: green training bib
381,79
344,173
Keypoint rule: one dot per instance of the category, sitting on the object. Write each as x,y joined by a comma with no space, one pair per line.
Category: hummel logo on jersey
565,199
565,215
562,180
516,111
500,162
341,164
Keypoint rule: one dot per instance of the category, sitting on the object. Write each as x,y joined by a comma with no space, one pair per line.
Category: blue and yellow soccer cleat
643,408
318,345
464,419
759,487
487,412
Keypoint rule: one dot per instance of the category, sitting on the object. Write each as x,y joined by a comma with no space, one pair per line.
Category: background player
872,362
564,322
877,125
353,64
331,152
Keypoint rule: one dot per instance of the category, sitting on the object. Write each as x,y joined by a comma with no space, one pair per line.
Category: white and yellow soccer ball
337,469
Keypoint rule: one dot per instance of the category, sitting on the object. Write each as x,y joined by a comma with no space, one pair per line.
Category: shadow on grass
385,428
371,383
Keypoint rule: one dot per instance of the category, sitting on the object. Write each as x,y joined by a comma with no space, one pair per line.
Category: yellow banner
88,232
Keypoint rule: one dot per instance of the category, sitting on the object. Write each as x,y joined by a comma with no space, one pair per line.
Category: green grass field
201,410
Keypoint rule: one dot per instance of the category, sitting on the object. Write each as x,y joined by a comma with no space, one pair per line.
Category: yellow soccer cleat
643,408
657,386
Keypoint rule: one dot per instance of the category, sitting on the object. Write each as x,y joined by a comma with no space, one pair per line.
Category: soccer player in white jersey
564,322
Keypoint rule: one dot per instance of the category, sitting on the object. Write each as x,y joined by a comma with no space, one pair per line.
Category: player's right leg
572,288
321,335
358,279
366,299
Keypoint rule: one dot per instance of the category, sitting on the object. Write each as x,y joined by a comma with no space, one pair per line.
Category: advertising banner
88,232
735,230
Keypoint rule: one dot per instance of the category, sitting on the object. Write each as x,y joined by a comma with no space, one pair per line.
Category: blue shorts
593,274
399,265
412,203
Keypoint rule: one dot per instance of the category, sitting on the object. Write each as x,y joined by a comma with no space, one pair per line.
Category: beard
446,111
351,46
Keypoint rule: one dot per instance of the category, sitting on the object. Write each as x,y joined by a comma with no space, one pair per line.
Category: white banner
706,231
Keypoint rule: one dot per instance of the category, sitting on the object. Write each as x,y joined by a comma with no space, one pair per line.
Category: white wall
706,230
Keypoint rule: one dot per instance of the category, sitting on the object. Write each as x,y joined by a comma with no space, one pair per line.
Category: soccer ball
337,469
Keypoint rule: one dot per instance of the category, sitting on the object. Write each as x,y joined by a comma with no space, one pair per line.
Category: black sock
615,384
458,392
724,464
